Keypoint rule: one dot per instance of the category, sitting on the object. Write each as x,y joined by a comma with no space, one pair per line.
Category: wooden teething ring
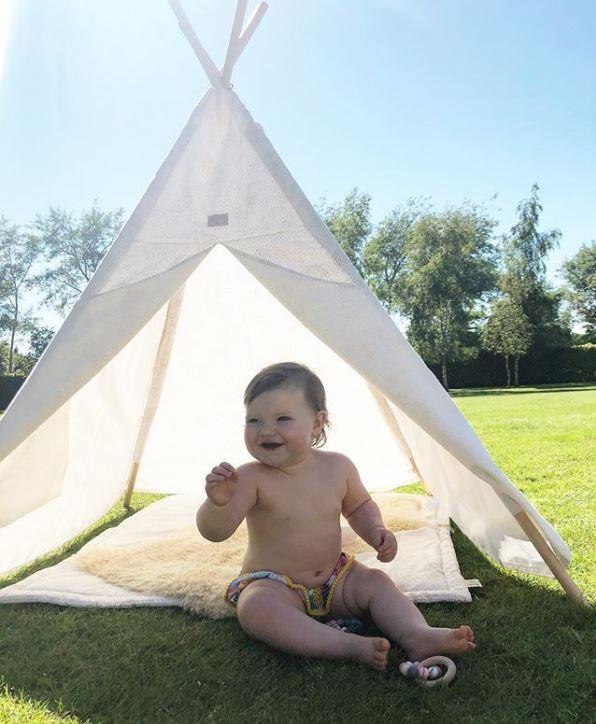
447,677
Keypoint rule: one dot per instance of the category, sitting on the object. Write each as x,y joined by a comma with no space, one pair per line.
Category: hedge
570,364
9,386
553,366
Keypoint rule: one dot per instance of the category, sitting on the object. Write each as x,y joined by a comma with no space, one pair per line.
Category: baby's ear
321,418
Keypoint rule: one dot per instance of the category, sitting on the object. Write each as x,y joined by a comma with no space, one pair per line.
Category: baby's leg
272,613
368,590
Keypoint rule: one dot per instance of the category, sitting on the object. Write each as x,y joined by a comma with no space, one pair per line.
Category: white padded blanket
425,567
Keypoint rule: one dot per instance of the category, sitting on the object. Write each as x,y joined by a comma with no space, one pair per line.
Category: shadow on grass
533,662
493,391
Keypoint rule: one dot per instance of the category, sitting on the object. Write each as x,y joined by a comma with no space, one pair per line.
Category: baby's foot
374,652
432,641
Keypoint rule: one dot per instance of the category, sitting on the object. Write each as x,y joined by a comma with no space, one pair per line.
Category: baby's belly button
316,575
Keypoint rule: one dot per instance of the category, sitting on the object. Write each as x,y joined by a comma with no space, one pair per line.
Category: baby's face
280,427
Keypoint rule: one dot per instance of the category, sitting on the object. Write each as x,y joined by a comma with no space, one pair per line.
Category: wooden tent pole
208,65
526,523
393,425
160,366
250,28
535,535
232,55
238,40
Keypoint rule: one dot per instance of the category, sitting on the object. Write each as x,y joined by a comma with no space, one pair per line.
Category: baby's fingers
385,557
388,550
223,472
215,478
227,466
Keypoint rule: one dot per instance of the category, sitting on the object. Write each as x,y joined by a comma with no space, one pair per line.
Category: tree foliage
428,266
18,253
580,274
349,221
522,279
73,248
450,265
39,339
24,362
526,248
384,254
507,332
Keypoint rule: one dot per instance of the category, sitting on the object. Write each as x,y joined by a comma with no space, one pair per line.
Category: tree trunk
516,370
508,370
11,349
444,372
13,331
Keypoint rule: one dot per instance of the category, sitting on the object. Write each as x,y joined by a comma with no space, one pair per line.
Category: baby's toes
381,645
380,662
381,653
466,633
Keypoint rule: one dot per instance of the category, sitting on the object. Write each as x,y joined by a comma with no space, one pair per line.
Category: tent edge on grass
407,412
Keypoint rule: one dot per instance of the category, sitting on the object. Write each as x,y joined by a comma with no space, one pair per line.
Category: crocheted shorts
317,601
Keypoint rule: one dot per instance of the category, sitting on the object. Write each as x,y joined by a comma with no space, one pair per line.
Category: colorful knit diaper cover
317,601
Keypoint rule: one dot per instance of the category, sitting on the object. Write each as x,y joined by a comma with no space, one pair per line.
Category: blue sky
452,99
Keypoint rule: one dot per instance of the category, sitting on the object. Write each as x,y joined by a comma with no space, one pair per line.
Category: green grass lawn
535,659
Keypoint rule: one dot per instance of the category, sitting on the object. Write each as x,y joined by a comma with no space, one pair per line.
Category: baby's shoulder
338,461
250,471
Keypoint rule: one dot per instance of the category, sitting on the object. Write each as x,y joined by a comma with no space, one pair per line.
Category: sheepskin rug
188,567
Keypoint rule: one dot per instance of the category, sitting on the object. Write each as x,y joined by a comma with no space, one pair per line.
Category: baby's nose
267,431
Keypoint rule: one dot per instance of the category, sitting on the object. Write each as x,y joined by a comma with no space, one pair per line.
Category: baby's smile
279,429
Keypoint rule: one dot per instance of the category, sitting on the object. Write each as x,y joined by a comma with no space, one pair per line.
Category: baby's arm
365,519
230,495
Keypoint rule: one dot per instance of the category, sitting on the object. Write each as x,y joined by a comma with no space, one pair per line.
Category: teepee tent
222,268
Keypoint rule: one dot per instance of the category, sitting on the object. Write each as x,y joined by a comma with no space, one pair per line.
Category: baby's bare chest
300,503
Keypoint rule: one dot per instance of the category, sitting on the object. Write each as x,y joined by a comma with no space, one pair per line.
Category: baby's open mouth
271,445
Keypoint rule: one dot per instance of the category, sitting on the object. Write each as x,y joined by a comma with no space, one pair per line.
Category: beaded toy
428,673
350,625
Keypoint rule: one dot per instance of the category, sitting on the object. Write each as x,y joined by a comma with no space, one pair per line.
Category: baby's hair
293,375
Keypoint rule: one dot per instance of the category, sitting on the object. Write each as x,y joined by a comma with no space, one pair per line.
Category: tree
39,339
522,279
349,221
21,363
507,331
526,248
580,274
73,248
18,252
384,254
450,264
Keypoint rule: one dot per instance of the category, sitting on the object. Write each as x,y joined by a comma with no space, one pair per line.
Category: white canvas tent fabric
264,281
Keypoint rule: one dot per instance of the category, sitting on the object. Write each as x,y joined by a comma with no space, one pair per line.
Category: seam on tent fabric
204,253
262,146
152,191
215,243
301,275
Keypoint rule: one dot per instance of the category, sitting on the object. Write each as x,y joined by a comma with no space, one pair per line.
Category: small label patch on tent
217,220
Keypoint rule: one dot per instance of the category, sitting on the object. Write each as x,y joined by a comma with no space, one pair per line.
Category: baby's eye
283,418
252,420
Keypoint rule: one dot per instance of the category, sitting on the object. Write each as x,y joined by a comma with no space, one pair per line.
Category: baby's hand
385,543
221,484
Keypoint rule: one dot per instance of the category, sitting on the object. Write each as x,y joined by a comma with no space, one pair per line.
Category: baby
294,574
